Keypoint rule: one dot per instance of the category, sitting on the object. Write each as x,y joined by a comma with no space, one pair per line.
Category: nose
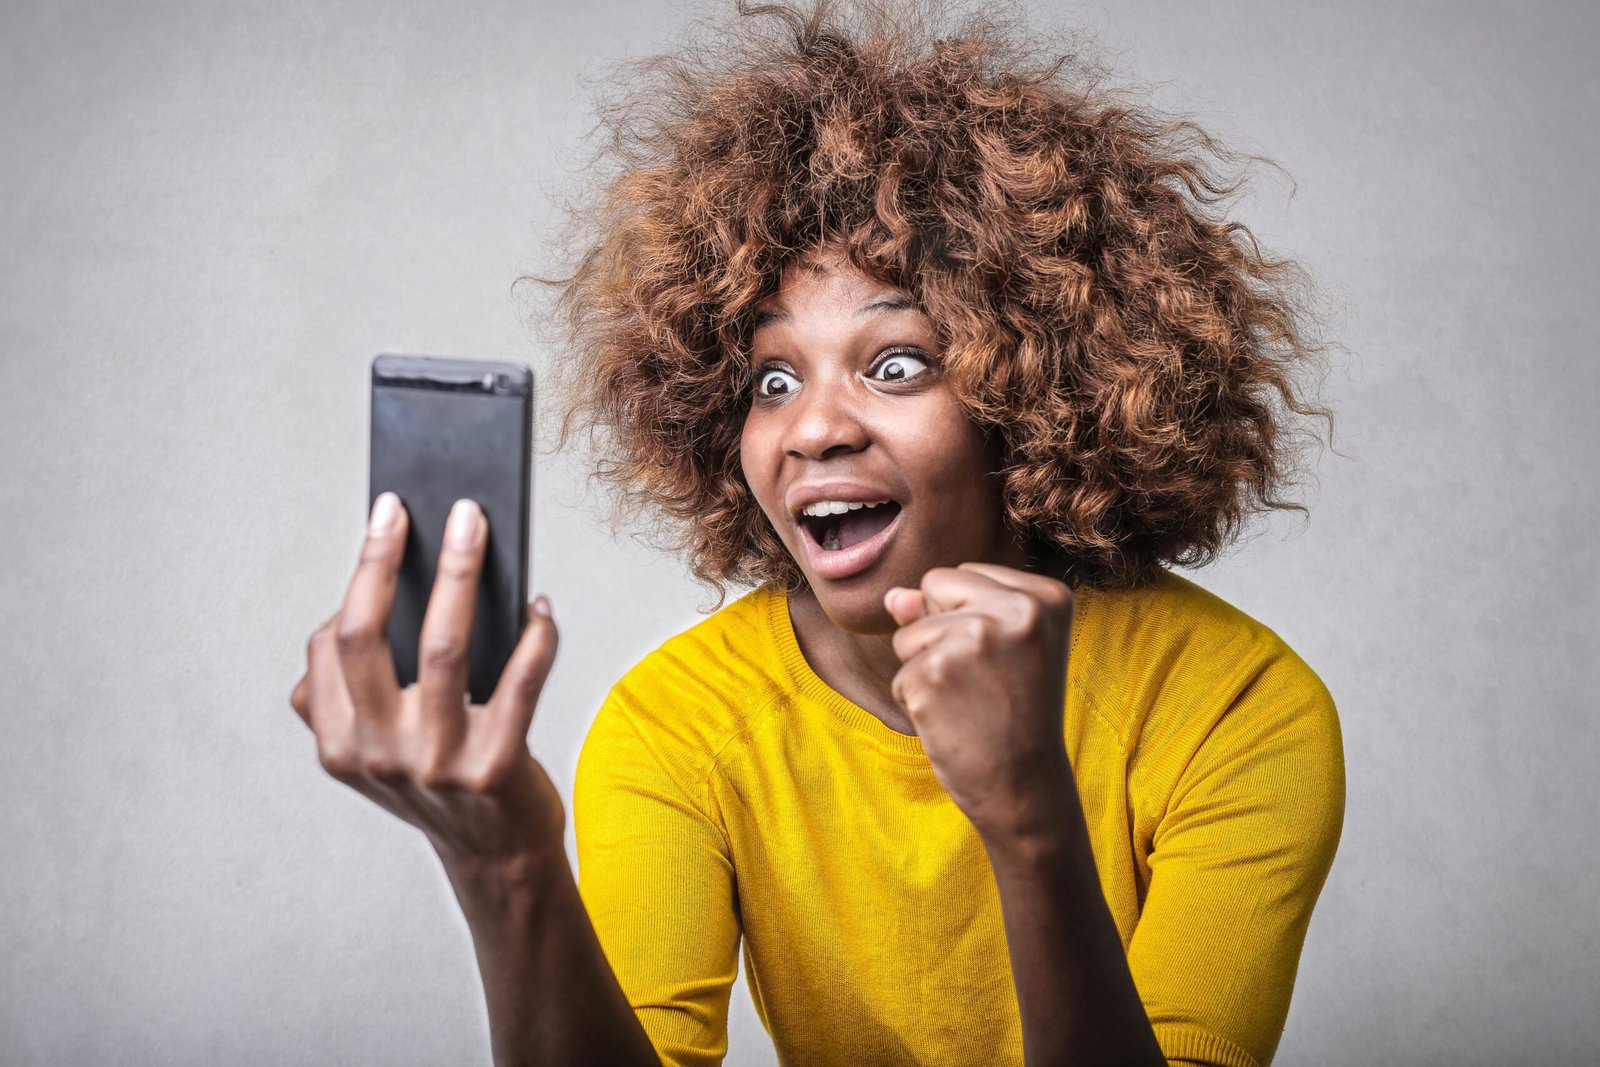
824,421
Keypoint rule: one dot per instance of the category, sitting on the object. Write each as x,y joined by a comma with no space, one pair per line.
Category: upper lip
849,492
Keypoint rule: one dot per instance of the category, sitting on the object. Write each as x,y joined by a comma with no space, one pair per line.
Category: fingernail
463,523
541,605
385,510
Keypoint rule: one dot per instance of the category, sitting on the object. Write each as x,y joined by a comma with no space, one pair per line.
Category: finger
905,689
444,647
517,693
904,605
953,588
1039,585
300,698
362,629
330,712
914,687
1040,591
916,638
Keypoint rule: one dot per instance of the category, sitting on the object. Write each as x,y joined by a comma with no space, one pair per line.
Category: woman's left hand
983,650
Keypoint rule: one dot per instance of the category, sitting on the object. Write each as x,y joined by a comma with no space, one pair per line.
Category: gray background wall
212,215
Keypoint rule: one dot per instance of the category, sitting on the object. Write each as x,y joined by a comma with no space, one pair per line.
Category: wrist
1042,814
524,874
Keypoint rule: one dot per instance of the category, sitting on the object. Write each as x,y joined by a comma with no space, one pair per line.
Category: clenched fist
983,650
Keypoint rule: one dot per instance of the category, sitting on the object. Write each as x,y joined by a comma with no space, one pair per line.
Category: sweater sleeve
656,878
1237,863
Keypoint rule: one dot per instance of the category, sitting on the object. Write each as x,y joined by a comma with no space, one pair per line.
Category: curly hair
1134,353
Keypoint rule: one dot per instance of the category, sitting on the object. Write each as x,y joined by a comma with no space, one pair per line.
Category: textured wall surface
212,215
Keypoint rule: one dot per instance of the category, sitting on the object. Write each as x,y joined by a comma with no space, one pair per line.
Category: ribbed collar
906,747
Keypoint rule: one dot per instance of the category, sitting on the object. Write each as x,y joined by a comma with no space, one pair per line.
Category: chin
856,605
858,613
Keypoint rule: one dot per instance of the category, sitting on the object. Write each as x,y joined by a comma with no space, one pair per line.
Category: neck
860,667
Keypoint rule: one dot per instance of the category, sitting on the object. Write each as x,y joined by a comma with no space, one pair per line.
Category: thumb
517,693
905,605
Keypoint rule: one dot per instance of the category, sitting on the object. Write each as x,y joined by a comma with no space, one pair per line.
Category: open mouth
837,532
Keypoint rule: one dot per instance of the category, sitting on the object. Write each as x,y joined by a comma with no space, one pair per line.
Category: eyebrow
882,306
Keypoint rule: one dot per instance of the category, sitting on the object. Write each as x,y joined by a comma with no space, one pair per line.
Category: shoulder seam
757,717
702,808
1091,693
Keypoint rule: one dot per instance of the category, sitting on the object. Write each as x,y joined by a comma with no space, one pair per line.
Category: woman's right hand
460,772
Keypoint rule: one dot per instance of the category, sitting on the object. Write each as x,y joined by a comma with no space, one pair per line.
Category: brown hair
1134,353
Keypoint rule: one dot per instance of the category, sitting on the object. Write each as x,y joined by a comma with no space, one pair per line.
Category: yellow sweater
724,788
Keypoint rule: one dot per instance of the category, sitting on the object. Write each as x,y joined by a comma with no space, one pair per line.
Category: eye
774,382
900,366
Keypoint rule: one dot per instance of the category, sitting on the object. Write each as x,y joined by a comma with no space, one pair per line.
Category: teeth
837,507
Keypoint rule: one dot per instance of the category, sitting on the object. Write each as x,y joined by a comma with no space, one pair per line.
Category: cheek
964,455
756,464
959,481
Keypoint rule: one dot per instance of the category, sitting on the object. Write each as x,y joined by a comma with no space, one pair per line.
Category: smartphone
443,429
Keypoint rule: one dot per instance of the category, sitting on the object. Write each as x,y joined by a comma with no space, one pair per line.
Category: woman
942,353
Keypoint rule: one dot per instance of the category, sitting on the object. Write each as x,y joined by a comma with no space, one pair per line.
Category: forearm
1077,997
552,996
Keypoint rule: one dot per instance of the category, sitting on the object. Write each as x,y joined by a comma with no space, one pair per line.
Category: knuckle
1054,596
488,776
340,761
386,770
375,553
442,650
320,637
478,780
456,566
523,683
353,638
1029,613
436,774
525,673
900,689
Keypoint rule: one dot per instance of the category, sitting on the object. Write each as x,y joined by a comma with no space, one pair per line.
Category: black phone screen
443,429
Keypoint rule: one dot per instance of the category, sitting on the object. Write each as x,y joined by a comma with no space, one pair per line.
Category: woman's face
856,448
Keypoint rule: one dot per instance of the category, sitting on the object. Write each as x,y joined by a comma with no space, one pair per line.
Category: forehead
829,285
